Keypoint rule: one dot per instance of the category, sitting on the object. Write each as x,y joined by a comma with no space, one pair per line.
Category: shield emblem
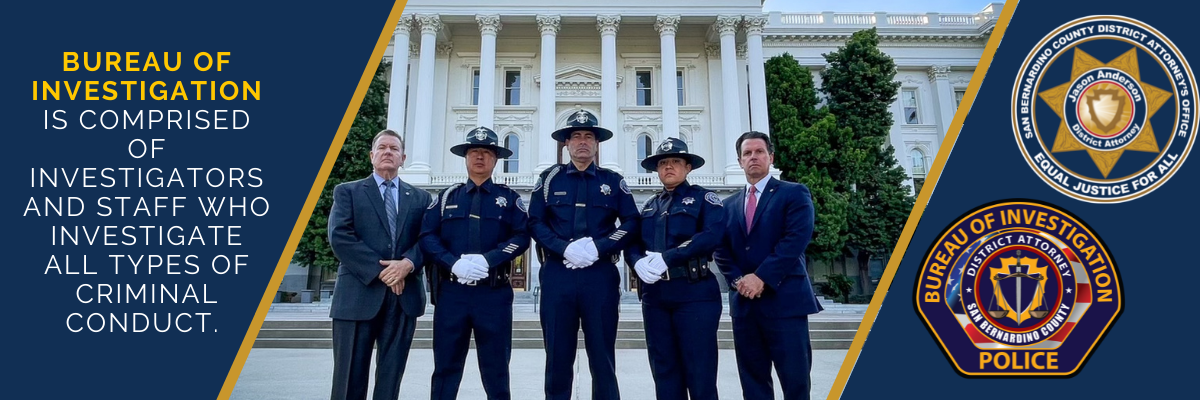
1020,287
1105,107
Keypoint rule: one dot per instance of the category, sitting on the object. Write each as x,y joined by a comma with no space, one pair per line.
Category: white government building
686,69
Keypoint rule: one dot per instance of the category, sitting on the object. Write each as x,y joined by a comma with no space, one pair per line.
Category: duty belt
697,267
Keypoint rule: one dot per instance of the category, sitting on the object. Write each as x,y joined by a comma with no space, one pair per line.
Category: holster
432,275
697,269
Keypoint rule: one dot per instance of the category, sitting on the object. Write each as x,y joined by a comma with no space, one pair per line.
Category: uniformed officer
573,217
473,231
681,299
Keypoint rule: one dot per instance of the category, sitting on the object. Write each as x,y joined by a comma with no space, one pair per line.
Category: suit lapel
404,192
376,200
763,201
740,216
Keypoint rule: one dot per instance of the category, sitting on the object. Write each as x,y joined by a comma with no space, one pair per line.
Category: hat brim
564,134
461,149
651,163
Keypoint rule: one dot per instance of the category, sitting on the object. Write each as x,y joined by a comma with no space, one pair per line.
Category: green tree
859,88
353,163
812,149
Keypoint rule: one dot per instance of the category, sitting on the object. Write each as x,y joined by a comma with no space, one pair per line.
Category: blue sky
913,6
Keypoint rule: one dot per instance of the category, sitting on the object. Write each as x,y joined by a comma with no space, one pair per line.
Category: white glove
468,271
478,259
657,265
577,253
590,248
643,270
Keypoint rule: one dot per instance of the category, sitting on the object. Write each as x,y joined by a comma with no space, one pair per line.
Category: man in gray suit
374,226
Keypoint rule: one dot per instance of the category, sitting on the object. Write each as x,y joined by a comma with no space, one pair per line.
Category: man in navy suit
374,226
762,256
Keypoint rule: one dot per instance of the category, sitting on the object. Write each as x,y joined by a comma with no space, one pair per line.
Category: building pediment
576,81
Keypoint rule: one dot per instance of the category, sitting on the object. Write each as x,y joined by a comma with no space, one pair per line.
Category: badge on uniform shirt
687,201
605,189
501,201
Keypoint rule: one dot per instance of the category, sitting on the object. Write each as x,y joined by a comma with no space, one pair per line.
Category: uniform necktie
473,232
580,230
389,204
660,223
751,204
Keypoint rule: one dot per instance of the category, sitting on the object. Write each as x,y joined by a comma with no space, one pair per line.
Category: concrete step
851,325
528,335
427,342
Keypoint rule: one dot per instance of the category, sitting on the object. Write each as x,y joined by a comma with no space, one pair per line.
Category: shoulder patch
625,187
521,205
712,198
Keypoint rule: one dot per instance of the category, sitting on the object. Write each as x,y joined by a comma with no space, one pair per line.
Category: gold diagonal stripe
314,194
935,173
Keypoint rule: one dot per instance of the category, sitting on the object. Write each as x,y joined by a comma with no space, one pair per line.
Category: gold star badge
1065,141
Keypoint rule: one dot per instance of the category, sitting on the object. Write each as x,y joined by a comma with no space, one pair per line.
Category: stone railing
651,180
514,180
786,20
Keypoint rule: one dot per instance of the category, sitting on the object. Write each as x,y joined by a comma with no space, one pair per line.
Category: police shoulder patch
521,205
712,198
625,187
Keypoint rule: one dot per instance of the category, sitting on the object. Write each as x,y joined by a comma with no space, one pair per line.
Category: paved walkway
297,374
305,373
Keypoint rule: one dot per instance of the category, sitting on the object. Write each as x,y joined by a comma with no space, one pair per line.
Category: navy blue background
309,58
1148,350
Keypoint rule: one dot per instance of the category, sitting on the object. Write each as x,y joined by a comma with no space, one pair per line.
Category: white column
717,142
758,78
666,25
609,151
445,132
548,25
489,25
397,100
727,26
419,149
940,76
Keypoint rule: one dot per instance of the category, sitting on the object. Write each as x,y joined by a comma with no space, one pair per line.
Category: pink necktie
751,204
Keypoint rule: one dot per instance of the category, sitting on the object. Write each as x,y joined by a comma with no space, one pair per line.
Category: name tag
560,193
452,206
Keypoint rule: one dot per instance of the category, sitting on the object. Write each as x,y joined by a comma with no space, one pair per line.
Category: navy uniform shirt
598,196
446,232
682,224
